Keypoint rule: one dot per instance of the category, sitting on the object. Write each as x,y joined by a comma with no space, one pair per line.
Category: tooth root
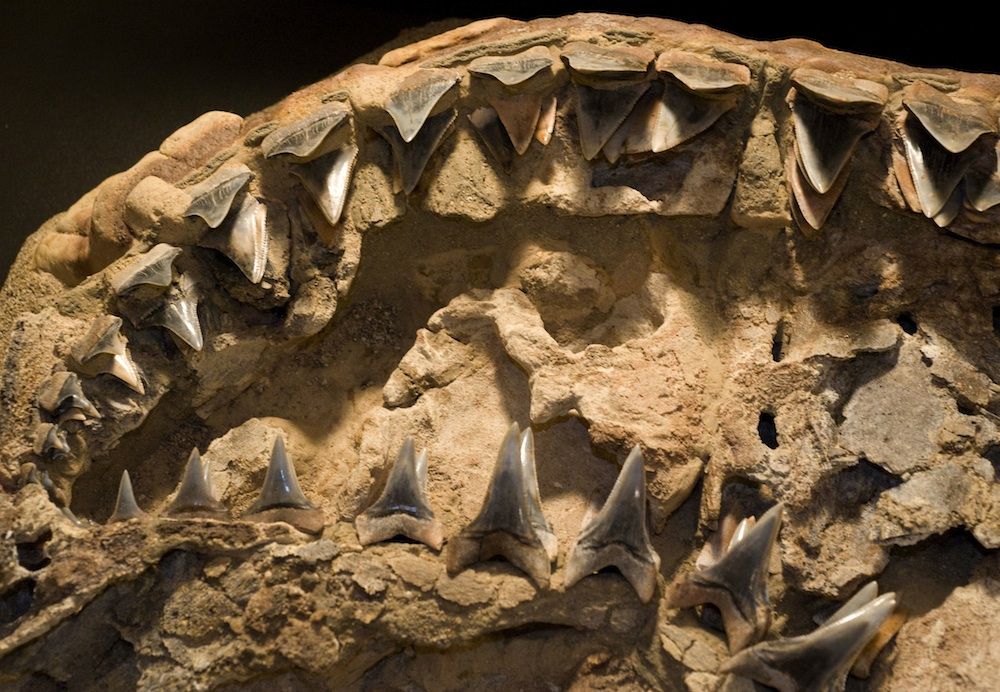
327,179
153,268
244,238
618,534
935,172
103,349
825,141
861,667
212,198
411,105
816,661
814,206
534,500
50,441
62,398
412,157
195,498
519,115
546,121
487,125
736,583
281,498
402,509
125,506
503,526
179,313
309,136
599,112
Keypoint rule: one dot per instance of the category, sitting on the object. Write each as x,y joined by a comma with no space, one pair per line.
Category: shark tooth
599,112
519,115
310,136
840,93
62,397
982,183
934,171
503,526
50,441
411,104
125,506
825,141
951,209
514,70
954,125
281,498
736,583
179,313
701,75
412,157
194,498
487,124
618,534
402,509
672,119
817,661
327,180
103,349
244,238
534,501
212,197
814,206
153,268
546,121
589,62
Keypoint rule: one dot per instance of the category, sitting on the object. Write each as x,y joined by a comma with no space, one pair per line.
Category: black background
88,87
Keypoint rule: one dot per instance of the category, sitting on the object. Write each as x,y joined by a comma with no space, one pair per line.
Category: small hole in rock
16,601
31,554
996,320
907,323
778,342
767,429
964,407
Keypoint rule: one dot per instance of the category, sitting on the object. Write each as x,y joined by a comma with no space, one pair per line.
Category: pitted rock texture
682,300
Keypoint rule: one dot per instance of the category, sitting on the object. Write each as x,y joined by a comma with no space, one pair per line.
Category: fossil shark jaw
618,534
126,507
504,525
402,509
736,582
281,498
820,660
195,498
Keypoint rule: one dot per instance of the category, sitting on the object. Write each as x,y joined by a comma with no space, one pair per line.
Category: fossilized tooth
599,112
534,501
982,183
125,506
195,497
412,157
402,509
212,197
104,349
817,661
179,313
281,498
503,526
487,124
736,583
825,141
307,136
519,115
815,207
411,104
934,171
592,64
951,209
618,534
953,124
546,121
702,75
244,238
730,531
153,268
327,180
840,93
513,70
62,397
50,441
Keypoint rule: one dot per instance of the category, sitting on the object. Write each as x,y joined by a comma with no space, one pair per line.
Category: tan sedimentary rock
427,247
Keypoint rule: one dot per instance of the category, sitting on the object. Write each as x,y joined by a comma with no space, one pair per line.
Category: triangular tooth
103,349
125,506
952,124
411,104
839,92
599,112
153,268
487,124
534,501
307,136
935,172
679,116
951,209
195,496
327,179
618,535
814,206
244,238
519,115
402,509
212,197
638,128
982,183
546,121
513,70
50,441
503,526
716,546
412,157
281,485
865,594
62,397
179,313
741,531
825,141
816,661
736,583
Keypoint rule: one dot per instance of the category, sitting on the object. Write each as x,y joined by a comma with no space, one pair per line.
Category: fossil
281,498
327,180
63,399
194,497
126,507
244,238
310,137
412,156
103,349
153,268
412,104
212,198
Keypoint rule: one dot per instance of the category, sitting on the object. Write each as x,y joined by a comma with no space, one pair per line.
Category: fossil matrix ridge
579,353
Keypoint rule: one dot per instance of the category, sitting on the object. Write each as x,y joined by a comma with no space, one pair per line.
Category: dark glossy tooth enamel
281,498
618,535
412,157
489,128
402,509
195,498
125,506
